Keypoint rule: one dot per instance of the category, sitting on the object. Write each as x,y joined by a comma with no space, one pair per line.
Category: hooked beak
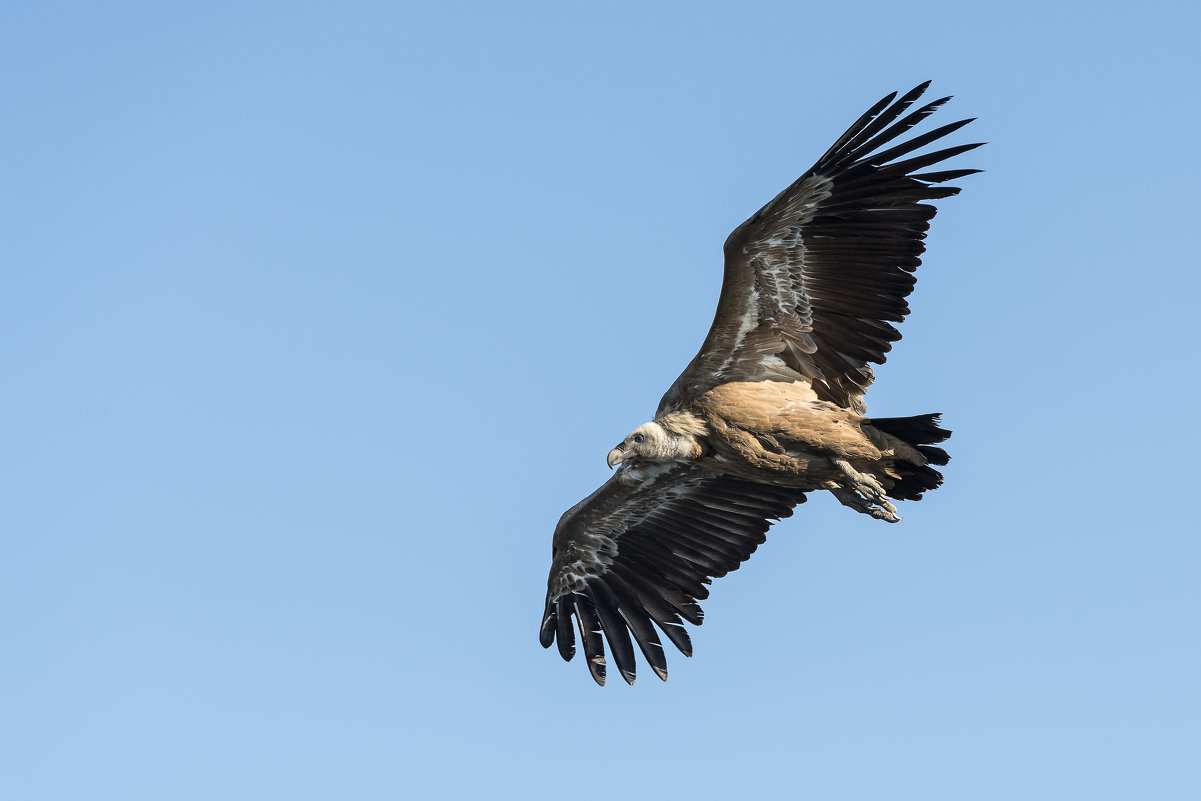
616,456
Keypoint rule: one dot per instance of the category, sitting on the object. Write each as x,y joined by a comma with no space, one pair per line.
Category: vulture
771,408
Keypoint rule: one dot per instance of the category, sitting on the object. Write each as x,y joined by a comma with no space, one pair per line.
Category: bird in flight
772,406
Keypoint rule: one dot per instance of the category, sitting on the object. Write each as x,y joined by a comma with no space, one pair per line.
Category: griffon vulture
772,405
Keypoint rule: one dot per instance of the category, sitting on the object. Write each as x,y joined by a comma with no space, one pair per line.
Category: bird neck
684,431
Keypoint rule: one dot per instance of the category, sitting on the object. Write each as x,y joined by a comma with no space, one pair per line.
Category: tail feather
920,432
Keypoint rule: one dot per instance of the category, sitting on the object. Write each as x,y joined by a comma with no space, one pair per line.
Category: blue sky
315,318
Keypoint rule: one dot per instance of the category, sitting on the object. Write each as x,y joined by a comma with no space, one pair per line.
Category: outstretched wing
815,278
630,555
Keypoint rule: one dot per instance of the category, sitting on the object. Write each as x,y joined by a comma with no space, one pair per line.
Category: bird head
648,442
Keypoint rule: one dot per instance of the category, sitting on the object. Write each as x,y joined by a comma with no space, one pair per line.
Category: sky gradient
314,319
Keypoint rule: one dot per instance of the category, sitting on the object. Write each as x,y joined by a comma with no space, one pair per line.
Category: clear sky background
314,318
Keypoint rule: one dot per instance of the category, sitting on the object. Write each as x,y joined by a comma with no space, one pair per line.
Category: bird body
781,433
771,407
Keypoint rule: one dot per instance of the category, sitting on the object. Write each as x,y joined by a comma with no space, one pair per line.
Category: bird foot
863,493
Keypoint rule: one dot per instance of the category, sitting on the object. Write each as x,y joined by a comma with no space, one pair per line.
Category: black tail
920,431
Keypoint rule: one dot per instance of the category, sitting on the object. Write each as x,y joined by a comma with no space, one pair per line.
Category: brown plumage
772,405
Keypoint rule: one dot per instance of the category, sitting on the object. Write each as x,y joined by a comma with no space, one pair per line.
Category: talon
863,493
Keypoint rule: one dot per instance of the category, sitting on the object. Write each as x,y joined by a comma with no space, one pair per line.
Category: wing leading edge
816,278
630,558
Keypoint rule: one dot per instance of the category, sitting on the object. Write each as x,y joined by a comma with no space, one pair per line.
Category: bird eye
638,438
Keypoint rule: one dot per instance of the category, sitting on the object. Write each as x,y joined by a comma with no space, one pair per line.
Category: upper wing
630,554
814,279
